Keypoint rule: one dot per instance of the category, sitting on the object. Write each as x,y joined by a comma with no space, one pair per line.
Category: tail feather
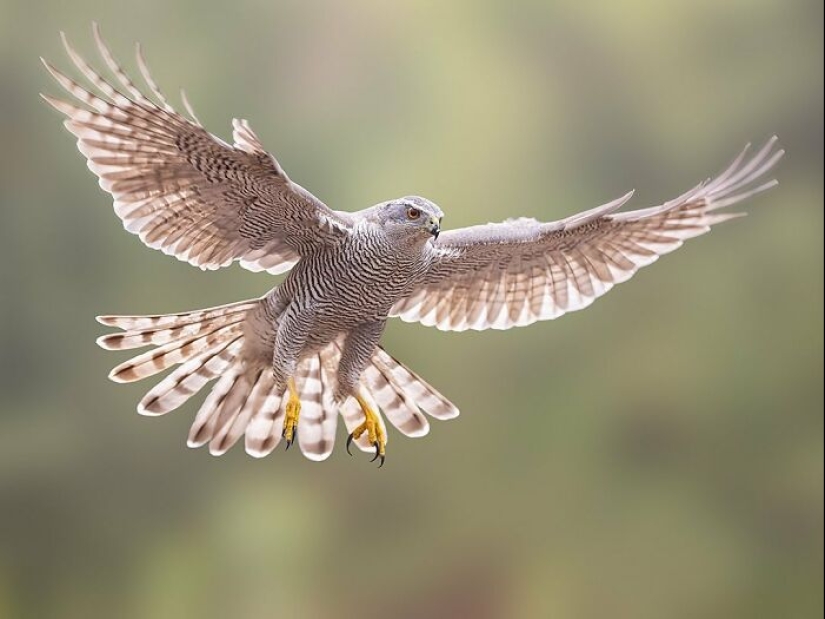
188,379
172,353
264,430
416,388
208,344
401,411
319,414
229,434
229,392
231,411
141,323
163,335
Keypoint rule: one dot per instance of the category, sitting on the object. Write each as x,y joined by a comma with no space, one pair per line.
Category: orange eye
413,213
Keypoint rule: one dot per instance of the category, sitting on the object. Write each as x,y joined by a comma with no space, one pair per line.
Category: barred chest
359,280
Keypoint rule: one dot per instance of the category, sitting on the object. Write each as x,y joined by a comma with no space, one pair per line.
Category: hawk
286,364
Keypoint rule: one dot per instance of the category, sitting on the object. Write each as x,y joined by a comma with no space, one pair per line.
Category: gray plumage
186,192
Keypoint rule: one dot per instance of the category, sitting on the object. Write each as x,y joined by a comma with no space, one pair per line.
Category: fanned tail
205,344
208,345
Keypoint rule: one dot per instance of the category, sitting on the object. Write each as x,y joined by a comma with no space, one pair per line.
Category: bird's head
412,218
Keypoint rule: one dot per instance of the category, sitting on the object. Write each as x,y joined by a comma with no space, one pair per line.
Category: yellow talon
293,411
372,426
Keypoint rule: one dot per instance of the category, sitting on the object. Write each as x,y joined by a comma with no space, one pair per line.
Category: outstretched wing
180,188
517,272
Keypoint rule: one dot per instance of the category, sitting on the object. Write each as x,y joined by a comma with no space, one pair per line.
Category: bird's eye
413,213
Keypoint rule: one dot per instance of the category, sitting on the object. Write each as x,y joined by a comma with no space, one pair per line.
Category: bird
284,366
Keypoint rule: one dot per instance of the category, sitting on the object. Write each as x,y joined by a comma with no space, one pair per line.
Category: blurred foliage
659,455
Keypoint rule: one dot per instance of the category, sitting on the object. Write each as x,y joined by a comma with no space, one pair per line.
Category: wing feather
183,190
498,276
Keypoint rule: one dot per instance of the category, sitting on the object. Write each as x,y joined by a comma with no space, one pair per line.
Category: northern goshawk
309,348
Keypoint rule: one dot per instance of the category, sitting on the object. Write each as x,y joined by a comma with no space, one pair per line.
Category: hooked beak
435,227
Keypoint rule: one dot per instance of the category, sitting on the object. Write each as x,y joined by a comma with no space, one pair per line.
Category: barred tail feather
400,409
189,379
231,433
263,433
138,338
173,353
141,323
414,388
319,413
207,345
234,412
228,392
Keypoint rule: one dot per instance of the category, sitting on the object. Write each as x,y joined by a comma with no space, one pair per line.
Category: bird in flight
287,363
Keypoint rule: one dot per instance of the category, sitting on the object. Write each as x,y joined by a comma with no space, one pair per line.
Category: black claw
349,442
294,435
382,461
377,451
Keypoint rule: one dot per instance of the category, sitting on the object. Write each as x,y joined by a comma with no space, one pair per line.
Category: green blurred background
659,455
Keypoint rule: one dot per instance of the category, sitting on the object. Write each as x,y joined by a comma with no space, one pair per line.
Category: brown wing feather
517,272
181,189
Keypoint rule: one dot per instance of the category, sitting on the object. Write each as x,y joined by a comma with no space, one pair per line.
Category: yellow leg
372,426
293,411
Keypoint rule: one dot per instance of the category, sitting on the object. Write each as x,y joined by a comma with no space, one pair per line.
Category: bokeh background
659,455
